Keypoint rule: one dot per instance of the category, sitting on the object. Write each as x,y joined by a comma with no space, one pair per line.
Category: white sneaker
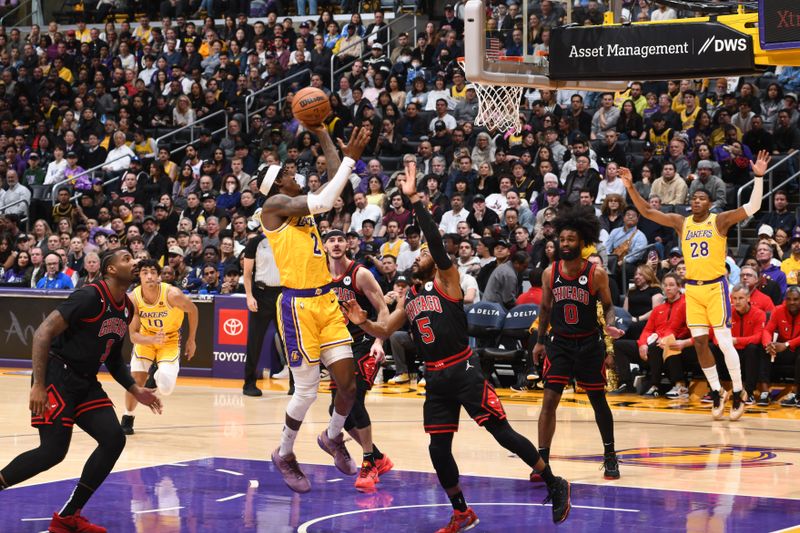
717,408
652,392
283,374
678,392
421,383
399,379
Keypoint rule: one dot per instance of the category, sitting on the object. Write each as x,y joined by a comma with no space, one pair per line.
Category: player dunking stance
84,332
310,321
353,282
453,374
155,333
573,347
708,304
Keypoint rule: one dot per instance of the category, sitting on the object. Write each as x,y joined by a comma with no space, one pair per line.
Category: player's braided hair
107,258
582,220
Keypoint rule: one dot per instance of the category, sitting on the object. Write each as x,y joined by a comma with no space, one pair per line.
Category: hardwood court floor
661,444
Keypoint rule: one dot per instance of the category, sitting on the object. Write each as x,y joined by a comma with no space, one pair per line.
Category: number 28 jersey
574,313
704,249
299,255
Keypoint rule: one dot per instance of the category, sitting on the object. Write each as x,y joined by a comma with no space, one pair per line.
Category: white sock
288,437
128,413
731,357
336,424
712,377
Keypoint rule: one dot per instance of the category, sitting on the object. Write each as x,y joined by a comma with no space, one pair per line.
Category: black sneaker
763,399
127,424
610,466
151,377
751,400
558,493
251,390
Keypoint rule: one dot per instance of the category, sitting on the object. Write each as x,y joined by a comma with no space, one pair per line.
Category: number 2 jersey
96,328
439,326
704,249
301,260
574,313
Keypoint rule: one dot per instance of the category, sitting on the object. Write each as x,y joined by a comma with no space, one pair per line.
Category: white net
498,105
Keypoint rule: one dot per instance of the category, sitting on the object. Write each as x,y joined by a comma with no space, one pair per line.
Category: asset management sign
649,51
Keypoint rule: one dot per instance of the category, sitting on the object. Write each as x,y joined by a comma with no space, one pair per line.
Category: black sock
376,452
79,497
369,457
3,484
545,453
547,475
458,502
608,448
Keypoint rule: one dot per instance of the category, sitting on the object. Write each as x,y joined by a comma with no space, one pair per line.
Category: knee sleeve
166,376
306,382
440,449
699,331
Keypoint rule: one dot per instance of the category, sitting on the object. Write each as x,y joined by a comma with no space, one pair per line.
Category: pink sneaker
336,449
290,470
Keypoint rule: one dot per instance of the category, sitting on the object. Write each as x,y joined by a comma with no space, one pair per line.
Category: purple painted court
215,495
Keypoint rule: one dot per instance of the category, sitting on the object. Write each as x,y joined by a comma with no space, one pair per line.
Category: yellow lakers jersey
660,141
299,253
158,317
704,249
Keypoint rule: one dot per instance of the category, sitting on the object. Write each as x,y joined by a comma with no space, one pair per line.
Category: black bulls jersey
96,328
574,311
347,289
438,323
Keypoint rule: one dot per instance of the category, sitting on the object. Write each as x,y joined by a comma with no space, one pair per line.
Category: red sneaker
461,521
384,464
73,524
367,478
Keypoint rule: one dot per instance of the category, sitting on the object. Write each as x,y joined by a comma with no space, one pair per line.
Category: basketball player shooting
84,332
708,304
158,311
453,373
570,336
310,321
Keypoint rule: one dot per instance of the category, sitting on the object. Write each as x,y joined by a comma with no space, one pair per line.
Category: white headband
269,179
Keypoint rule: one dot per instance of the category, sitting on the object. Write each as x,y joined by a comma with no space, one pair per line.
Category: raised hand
354,312
762,163
409,184
626,177
359,140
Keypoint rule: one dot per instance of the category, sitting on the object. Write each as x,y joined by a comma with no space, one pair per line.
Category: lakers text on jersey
154,318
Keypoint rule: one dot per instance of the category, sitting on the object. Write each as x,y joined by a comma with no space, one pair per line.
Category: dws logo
723,45
233,326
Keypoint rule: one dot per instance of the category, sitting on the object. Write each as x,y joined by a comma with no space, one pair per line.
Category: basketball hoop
498,105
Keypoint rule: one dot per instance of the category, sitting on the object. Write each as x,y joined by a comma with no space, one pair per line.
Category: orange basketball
310,106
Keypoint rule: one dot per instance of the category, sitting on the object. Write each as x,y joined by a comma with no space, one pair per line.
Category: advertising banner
230,338
649,52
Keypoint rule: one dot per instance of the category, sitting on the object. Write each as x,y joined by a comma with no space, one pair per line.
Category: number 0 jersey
704,249
574,313
299,254
158,317
439,326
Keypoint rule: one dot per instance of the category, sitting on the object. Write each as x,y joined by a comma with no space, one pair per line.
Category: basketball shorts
310,324
460,385
708,304
366,366
145,355
582,359
69,395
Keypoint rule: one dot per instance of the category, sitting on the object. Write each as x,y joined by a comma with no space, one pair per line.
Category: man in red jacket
747,326
785,321
750,278
667,319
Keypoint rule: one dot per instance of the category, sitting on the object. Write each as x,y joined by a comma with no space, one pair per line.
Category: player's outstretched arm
665,219
728,218
378,328
369,286
52,326
545,309
332,160
176,298
446,272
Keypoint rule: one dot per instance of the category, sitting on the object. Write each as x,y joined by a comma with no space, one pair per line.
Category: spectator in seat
710,183
364,211
503,284
748,276
768,269
468,262
627,242
611,151
54,278
791,265
786,134
456,214
670,186
785,322
605,118
583,177
534,294
780,216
